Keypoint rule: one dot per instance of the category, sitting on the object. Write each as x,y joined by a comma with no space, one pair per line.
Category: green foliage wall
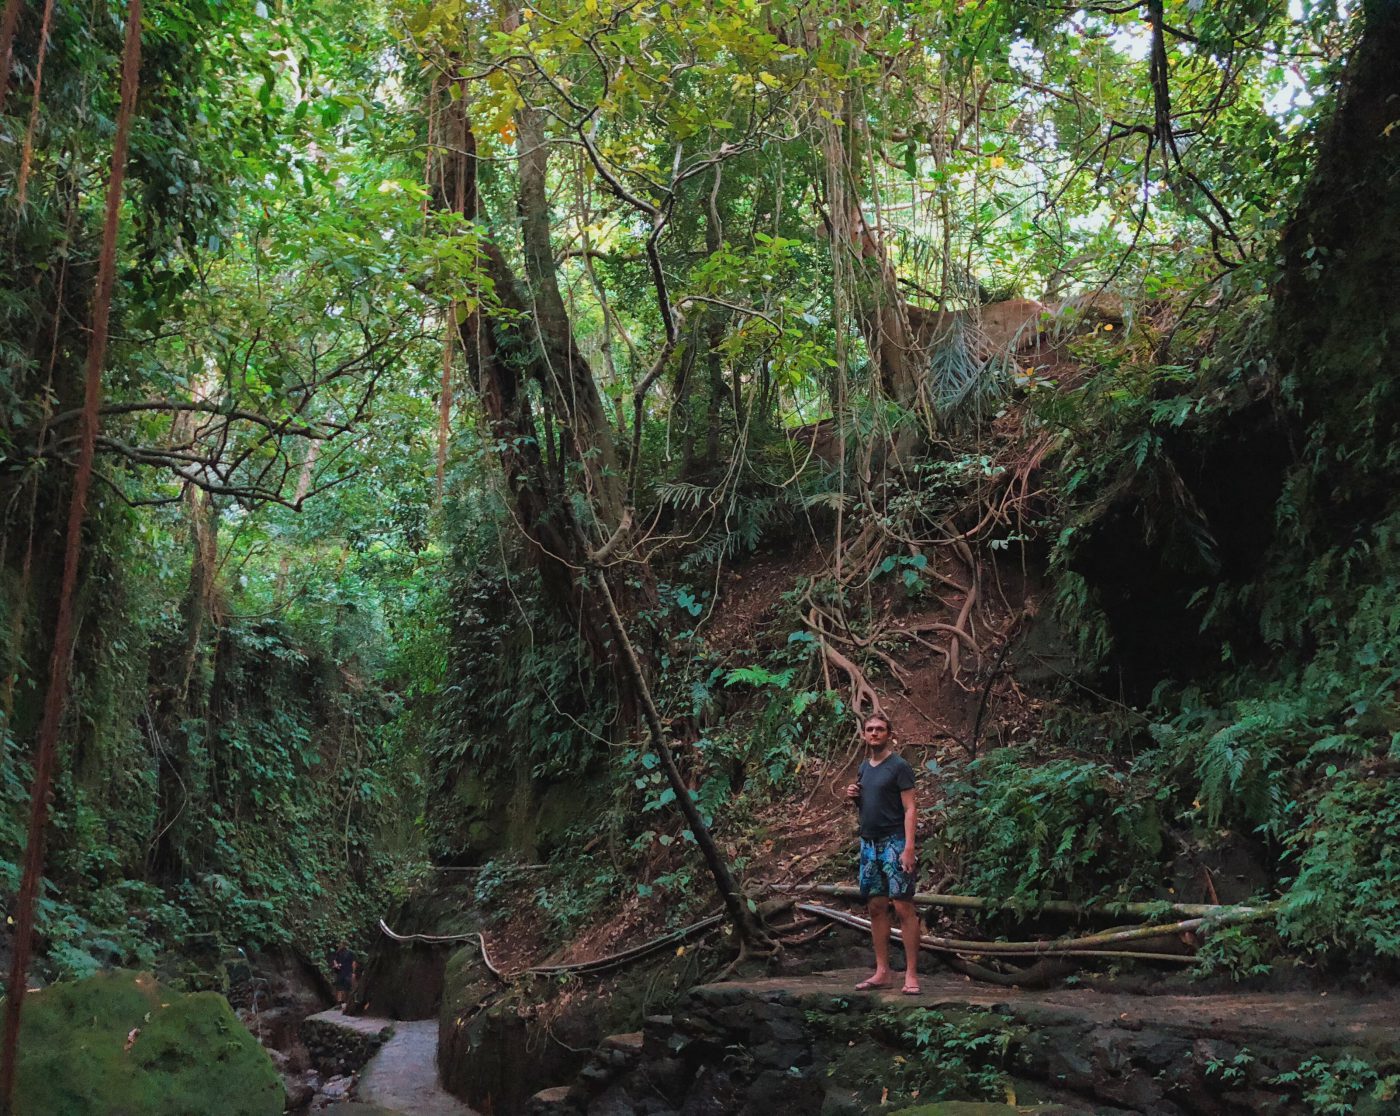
266,812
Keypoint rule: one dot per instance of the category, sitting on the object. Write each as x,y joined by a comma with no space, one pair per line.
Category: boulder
120,1043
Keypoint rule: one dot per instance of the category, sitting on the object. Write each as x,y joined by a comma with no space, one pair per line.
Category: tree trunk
444,405
682,406
714,338
1337,301
565,374
9,22
508,359
883,317
499,368
203,521
880,310
304,478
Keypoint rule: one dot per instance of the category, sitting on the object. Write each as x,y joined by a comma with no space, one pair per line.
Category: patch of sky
1292,90
1026,58
1134,40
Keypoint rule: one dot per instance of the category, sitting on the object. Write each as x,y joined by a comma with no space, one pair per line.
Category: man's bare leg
879,910
909,928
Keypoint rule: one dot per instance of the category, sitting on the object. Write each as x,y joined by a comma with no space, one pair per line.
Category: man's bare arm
906,797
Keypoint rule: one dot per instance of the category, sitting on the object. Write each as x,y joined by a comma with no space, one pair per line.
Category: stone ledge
343,1044
804,1045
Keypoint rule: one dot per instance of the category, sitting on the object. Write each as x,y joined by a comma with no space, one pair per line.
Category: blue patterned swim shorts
880,873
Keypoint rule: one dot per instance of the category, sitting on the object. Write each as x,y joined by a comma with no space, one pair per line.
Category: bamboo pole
1095,945
1050,906
753,936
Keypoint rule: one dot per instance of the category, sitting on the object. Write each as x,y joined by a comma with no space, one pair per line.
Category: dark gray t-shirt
881,811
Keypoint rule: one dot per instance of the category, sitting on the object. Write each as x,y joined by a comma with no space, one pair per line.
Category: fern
741,532
959,380
683,496
1069,827
759,676
1241,771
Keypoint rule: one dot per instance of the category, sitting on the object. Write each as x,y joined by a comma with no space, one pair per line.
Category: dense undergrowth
1271,722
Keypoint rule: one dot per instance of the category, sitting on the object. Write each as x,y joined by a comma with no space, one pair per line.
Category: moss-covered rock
119,1044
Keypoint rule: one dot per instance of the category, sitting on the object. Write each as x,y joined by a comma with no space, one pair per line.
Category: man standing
343,967
884,794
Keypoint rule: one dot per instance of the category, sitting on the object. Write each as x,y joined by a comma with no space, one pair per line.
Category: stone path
402,1078
811,1044
364,1024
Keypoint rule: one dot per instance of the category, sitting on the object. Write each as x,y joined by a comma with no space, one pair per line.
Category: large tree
1337,302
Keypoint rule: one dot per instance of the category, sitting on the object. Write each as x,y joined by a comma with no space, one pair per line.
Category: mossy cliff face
495,1051
404,980
479,814
119,1044
1337,303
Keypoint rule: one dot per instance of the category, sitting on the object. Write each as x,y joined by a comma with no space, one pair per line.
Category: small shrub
1068,828
1342,1086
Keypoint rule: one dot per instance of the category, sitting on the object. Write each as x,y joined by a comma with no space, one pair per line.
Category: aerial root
1038,975
765,948
863,697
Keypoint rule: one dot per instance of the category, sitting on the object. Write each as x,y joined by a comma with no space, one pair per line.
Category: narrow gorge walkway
402,1077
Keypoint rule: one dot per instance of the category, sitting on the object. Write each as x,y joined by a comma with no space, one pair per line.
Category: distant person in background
343,966
884,795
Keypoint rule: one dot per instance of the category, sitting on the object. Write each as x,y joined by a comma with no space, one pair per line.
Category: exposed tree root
863,556
748,952
597,965
864,699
